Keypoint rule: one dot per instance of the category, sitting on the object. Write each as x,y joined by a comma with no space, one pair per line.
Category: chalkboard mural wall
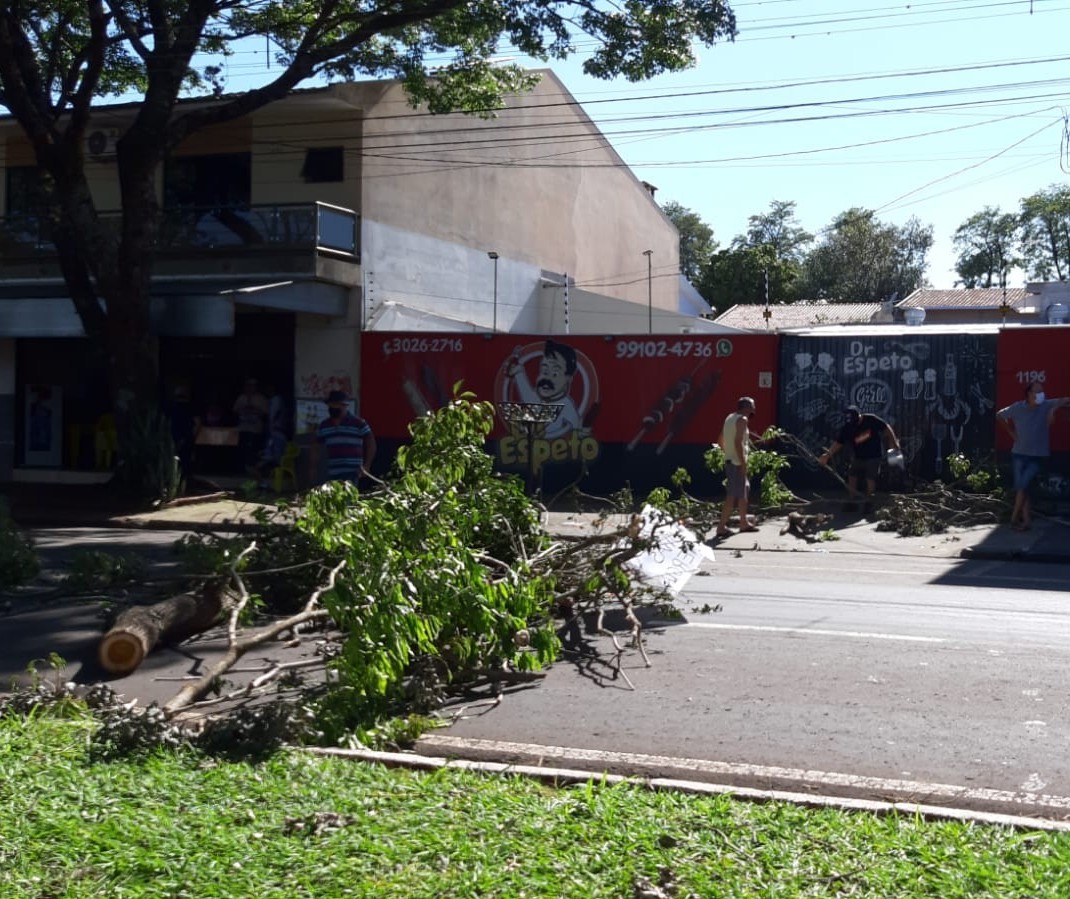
937,391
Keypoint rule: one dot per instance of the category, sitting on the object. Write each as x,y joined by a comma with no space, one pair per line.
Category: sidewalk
1047,541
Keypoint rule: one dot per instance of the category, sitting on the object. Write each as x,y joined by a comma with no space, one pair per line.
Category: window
26,207
26,194
323,164
205,182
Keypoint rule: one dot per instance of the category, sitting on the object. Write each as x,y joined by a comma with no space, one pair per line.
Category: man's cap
747,401
337,398
854,409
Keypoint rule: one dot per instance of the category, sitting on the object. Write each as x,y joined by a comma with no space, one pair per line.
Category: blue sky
931,109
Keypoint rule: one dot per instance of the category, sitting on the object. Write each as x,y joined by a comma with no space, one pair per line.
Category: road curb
570,776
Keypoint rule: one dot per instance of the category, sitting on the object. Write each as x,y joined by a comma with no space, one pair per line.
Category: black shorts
867,468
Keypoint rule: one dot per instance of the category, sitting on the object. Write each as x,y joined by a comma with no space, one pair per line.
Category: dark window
206,202
26,194
323,164
25,225
222,180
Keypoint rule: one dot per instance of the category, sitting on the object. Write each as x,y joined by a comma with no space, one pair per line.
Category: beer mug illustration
930,383
911,384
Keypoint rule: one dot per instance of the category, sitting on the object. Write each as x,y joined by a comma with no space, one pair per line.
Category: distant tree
986,243
748,275
1045,233
762,265
779,230
860,259
696,239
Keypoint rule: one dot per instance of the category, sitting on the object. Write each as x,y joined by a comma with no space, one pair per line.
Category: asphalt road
876,675
910,679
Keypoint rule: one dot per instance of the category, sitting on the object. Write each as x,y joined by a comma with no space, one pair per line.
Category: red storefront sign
643,392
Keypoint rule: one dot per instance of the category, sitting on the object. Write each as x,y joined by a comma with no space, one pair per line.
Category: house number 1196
1033,376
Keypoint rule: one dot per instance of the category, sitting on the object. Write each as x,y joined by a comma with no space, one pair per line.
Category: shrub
18,559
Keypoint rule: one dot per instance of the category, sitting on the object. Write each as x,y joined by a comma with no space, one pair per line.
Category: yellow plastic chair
105,442
287,468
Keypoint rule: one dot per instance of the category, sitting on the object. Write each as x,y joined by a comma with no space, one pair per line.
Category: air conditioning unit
100,144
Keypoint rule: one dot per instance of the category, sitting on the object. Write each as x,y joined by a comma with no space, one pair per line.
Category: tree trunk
139,629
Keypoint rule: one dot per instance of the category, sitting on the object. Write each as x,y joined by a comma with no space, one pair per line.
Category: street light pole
494,257
649,291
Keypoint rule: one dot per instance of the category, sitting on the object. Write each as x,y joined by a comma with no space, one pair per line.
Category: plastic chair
105,441
287,467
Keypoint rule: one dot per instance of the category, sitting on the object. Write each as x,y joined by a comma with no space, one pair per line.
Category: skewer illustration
416,399
433,386
688,410
671,399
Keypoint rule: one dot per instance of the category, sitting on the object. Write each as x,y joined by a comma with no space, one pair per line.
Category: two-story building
336,210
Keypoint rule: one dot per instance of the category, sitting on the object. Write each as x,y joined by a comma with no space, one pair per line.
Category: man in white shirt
735,441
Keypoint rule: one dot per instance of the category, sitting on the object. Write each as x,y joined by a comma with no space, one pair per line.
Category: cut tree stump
139,629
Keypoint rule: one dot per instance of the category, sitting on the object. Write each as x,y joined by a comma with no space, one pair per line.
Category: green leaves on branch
437,587
763,463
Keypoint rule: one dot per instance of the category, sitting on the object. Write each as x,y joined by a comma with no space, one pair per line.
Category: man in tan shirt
735,441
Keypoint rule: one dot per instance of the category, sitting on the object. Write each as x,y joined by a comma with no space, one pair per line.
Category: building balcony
315,240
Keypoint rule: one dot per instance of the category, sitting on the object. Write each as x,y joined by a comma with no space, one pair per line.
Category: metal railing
213,229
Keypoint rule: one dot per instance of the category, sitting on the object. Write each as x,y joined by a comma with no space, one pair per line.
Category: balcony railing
213,230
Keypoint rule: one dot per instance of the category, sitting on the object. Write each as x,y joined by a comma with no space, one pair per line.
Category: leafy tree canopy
861,259
1045,233
57,56
779,230
986,244
745,274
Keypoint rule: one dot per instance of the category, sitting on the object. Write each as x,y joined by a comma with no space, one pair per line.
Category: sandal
720,535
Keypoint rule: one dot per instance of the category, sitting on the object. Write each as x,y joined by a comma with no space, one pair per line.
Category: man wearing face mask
865,435
347,440
1028,421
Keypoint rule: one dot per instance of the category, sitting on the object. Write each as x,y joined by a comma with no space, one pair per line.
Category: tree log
139,629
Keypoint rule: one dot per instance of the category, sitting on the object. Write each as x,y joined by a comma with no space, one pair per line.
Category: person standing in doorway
183,432
251,411
1028,421
735,441
865,435
347,440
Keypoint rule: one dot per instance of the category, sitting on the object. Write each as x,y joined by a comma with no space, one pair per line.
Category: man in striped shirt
347,439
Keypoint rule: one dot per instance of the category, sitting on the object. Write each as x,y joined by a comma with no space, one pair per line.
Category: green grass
299,825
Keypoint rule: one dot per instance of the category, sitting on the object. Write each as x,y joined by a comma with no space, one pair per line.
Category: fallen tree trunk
139,629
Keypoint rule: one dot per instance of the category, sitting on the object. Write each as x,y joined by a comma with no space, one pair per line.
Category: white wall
445,278
326,357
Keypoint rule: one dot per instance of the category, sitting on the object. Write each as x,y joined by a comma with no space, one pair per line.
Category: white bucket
894,458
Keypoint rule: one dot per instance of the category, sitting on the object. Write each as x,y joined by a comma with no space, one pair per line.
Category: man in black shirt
864,434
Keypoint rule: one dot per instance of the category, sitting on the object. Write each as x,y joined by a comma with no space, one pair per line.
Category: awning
202,309
391,316
186,316
318,297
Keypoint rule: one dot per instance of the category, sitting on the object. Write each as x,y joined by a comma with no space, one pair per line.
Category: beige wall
277,137
537,184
